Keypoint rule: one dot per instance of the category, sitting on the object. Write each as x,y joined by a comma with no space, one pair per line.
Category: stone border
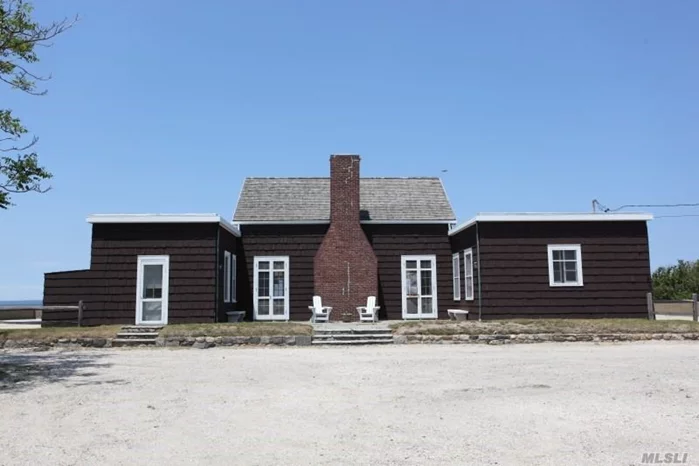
501,339
186,342
211,342
57,343
305,340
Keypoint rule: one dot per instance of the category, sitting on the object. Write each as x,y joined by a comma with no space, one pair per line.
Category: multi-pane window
419,286
565,265
456,273
468,274
271,288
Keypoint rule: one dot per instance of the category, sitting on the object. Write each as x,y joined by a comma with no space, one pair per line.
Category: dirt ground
543,404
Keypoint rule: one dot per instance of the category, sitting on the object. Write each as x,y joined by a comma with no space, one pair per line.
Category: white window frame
578,264
468,273
256,297
229,277
226,277
456,274
142,261
404,296
234,279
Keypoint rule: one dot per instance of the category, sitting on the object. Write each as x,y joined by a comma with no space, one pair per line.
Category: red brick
345,266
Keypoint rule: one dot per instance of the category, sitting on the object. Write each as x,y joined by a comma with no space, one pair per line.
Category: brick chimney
345,268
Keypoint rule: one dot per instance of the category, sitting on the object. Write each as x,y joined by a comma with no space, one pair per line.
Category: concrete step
362,331
137,335
133,342
353,342
352,336
141,328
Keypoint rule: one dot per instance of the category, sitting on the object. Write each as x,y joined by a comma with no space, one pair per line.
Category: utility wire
696,204
603,208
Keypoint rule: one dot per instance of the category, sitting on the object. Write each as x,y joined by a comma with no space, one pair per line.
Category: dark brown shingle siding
109,287
390,242
300,243
466,239
514,269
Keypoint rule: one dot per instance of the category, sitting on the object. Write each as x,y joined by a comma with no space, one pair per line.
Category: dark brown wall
109,287
192,251
227,241
67,289
514,269
390,242
300,243
461,241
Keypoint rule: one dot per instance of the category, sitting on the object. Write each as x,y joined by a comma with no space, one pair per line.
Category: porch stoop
137,335
352,334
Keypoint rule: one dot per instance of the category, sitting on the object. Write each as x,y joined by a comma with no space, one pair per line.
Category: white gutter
553,217
164,218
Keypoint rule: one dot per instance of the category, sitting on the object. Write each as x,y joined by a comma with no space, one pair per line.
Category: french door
271,292
419,278
152,290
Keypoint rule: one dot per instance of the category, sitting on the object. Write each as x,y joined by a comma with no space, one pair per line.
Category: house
345,238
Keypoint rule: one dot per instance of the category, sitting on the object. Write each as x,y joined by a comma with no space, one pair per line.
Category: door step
137,335
353,336
133,342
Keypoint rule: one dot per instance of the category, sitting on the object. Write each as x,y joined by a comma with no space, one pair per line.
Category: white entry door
152,290
419,278
271,288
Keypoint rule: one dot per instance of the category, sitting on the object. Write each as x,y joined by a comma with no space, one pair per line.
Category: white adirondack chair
320,313
370,312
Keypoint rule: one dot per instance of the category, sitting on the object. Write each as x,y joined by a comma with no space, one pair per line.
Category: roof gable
301,200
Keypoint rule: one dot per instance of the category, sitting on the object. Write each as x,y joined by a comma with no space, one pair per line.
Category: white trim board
433,292
164,218
327,222
578,264
256,296
553,217
141,262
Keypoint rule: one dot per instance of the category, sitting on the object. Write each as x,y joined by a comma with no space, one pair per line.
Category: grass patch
581,326
244,329
54,333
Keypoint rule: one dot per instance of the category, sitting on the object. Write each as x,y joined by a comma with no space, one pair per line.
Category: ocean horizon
21,302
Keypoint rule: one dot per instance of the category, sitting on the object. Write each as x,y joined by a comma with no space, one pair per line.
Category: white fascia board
163,218
327,222
553,217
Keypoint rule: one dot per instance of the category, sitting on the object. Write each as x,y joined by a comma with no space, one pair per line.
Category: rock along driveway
405,404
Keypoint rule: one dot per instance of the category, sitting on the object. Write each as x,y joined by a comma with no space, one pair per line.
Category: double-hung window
456,271
468,275
565,265
229,277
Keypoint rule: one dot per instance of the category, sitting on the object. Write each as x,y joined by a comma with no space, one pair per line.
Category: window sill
565,285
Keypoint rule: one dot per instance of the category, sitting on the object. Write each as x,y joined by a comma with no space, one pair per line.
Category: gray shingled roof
308,199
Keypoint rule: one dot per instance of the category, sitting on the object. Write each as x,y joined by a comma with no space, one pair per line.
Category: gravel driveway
429,405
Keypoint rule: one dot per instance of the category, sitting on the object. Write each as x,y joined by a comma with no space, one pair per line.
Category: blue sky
544,105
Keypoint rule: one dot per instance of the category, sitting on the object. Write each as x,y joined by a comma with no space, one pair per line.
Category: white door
152,289
272,288
419,278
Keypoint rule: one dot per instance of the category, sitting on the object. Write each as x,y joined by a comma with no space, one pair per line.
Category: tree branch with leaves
20,35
